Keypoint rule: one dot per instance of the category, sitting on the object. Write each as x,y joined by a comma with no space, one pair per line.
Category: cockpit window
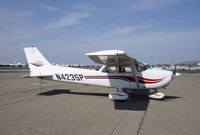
141,67
118,69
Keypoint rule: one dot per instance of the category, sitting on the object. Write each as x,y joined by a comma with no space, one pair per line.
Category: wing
112,58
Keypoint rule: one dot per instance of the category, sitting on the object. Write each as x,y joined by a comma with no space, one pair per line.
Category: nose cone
169,76
163,74
166,77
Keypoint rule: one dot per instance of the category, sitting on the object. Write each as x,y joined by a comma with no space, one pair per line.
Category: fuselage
148,79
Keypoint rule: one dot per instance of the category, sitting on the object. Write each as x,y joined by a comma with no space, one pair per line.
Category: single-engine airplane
119,71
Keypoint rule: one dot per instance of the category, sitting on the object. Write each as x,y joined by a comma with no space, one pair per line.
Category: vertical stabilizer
38,64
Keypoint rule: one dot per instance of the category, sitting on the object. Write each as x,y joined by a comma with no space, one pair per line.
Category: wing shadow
63,91
138,101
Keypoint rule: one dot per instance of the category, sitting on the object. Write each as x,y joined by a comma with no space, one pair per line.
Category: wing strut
134,74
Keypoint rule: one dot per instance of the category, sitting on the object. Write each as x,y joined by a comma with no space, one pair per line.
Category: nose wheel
119,95
156,95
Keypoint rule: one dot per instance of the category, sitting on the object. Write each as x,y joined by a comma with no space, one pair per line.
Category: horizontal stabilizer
25,76
31,76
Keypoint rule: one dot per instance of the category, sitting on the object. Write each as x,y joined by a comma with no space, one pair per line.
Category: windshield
141,67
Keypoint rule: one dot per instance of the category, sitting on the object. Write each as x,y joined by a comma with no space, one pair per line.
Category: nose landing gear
156,95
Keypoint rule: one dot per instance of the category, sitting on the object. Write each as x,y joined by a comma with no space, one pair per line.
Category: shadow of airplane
134,104
167,98
63,91
138,100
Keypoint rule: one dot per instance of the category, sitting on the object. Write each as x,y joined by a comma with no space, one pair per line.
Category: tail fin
38,64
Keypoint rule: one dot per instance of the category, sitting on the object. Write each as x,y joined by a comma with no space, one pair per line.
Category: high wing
112,58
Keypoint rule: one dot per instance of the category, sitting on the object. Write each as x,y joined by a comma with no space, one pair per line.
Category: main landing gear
121,95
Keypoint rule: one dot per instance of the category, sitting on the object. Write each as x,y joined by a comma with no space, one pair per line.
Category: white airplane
119,71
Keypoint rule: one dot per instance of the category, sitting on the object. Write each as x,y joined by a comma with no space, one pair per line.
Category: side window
110,70
125,69
120,69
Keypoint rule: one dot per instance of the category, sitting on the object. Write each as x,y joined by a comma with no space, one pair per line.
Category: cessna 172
119,71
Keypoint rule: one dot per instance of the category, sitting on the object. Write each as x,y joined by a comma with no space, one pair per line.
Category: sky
152,31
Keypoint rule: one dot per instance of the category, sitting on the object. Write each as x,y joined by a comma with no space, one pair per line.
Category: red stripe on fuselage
152,80
128,78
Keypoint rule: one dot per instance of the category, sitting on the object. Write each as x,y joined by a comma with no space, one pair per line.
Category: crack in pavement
141,122
117,125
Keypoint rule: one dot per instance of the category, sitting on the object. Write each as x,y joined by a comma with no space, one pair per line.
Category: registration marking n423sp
70,77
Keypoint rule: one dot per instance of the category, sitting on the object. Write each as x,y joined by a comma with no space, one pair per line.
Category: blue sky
152,31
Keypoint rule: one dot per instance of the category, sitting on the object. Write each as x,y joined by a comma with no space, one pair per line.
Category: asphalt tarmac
54,108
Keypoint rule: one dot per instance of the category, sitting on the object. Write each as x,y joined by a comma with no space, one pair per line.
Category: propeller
175,73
